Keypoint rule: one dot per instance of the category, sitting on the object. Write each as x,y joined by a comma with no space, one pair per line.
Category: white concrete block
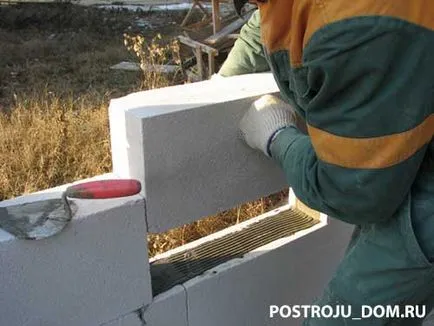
131,319
95,270
290,271
168,309
182,143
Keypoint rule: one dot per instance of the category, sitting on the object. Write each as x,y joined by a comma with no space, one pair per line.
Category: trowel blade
35,220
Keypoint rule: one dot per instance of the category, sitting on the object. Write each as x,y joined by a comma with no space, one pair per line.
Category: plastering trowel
42,215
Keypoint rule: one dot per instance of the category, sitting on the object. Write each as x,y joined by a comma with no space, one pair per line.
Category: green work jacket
361,74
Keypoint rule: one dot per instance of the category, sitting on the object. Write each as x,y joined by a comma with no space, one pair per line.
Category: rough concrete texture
429,321
292,271
168,309
182,143
131,319
94,271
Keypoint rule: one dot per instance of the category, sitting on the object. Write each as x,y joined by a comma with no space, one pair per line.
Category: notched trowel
43,215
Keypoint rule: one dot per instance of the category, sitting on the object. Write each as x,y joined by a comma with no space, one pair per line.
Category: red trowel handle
103,189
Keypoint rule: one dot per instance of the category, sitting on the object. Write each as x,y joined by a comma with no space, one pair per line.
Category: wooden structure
223,35
215,15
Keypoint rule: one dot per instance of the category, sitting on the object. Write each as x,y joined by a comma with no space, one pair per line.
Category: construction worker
361,75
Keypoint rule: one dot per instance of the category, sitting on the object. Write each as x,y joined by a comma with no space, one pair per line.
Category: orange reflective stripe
371,153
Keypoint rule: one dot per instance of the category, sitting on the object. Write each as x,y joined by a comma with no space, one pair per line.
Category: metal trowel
42,215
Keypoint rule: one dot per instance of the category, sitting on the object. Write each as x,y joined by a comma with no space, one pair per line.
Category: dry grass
55,87
48,141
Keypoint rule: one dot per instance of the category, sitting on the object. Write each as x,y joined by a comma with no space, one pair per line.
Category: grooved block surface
168,309
182,143
185,265
94,271
287,272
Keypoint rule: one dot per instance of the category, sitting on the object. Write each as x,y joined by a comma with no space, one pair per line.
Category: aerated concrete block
182,143
131,319
95,270
168,309
291,271
429,320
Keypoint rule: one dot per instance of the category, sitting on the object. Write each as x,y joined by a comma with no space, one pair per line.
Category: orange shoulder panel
289,24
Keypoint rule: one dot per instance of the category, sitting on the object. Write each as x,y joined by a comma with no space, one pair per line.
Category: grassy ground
55,86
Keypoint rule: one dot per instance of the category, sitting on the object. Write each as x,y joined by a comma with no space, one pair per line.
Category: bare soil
67,48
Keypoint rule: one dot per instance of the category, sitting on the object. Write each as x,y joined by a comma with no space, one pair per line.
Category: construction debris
213,42
126,65
225,32
209,39
133,66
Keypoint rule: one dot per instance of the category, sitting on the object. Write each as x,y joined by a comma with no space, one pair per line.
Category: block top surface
189,96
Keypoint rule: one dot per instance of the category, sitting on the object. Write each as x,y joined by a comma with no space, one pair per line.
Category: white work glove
263,120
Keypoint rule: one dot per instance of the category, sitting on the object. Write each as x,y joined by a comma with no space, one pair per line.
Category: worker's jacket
361,73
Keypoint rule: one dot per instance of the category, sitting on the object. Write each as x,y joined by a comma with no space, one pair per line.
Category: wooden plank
211,65
225,31
197,3
216,15
233,36
187,17
199,62
194,44
202,8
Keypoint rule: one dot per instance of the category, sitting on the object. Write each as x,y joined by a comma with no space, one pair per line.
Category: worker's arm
370,121
247,54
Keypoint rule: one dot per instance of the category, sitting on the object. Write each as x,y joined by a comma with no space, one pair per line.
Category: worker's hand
265,117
